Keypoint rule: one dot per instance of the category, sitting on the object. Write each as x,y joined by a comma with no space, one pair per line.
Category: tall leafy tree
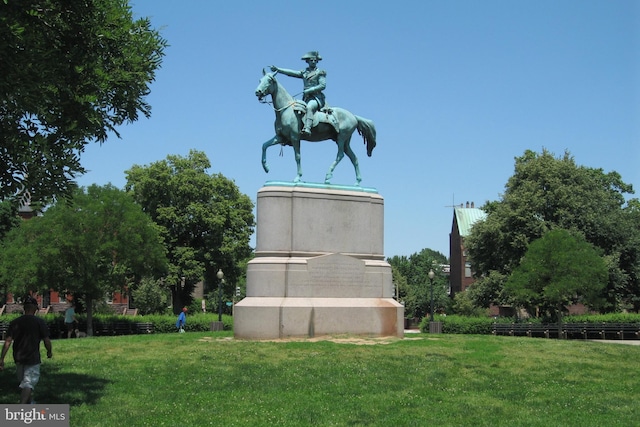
546,192
96,244
206,221
72,71
627,254
411,276
8,218
558,269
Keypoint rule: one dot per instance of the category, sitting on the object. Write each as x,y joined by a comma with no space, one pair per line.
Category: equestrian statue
311,119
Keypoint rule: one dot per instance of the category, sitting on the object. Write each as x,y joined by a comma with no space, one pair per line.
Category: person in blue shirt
70,318
182,320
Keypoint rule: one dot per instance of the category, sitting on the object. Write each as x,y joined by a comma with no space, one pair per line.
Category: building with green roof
461,272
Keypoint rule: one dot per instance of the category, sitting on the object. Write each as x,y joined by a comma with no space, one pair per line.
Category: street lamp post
431,276
220,276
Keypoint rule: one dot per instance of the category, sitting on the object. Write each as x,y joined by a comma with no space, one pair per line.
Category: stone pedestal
319,267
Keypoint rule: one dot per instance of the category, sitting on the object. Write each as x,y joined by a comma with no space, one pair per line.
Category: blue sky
457,90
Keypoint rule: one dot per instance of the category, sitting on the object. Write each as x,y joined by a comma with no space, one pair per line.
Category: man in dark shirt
26,332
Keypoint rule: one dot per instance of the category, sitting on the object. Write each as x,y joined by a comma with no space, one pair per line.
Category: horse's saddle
325,115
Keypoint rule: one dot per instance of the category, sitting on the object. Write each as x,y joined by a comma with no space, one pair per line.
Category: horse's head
267,85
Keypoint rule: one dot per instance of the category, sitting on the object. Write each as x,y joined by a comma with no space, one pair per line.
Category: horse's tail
367,129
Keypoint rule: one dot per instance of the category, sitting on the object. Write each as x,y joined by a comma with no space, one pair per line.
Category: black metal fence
621,331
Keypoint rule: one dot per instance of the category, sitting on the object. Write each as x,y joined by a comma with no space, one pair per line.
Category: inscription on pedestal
336,270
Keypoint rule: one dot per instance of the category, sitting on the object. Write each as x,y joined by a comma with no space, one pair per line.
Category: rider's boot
308,122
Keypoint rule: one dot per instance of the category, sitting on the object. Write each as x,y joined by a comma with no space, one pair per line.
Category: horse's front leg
269,143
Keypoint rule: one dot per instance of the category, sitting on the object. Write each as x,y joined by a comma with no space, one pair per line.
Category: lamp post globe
220,276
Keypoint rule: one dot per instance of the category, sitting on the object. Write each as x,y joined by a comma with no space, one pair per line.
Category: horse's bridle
261,99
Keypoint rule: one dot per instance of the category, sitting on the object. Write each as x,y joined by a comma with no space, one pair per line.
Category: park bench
584,330
121,328
526,329
144,328
570,330
625,330
102,329
602,330
4,327
56,329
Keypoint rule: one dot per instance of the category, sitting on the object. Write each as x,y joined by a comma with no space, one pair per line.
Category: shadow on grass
55,387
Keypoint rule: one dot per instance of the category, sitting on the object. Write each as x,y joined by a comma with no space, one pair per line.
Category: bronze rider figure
314,83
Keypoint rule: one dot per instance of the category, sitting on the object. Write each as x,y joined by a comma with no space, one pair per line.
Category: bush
161,323
604,318
195,323
463,305
461,324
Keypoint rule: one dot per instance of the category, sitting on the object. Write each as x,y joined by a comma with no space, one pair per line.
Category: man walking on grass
26,332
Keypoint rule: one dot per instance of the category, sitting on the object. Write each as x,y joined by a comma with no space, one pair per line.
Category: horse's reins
277,110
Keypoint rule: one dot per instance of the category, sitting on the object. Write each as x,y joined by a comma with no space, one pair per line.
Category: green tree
489,289
205,219
149,296
95,245
626,256
71,72
558,269
411,276
464,305
9,218
546,192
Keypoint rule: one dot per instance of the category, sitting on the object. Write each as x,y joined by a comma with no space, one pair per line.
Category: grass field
201,379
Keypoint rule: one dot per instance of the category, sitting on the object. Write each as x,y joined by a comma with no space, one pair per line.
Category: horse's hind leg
269,143
339,157
354,160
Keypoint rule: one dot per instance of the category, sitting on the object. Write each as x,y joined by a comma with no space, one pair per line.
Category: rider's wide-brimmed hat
312,54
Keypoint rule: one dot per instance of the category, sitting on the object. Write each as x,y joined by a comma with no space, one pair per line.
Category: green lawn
199,379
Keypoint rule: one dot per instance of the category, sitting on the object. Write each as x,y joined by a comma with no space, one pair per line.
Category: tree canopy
8,218
558,269
545,193
72,71
205,220
411,278
97,244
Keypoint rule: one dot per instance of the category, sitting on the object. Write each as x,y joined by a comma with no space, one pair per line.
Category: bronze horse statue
336,124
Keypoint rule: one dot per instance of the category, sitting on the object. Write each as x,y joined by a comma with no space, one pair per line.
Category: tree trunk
89,306
560,307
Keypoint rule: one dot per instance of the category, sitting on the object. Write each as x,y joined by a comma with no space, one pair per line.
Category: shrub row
604,318
460,324
195,323
483,325
161,323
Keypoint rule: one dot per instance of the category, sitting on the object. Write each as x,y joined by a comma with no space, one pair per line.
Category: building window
467,269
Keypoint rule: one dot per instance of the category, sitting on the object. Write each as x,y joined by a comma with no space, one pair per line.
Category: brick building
461,273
